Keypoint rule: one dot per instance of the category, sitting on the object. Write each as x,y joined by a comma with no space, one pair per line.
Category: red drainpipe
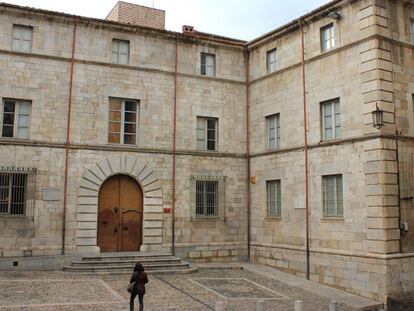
248,153
305,127
67,144
174,147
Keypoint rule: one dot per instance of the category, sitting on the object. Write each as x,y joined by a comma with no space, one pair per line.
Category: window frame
205,129
276,211
268,63
276,117
17,116
21,39
331,28
117,42
412,30
331,103
203,184
122,121
339,212
203,66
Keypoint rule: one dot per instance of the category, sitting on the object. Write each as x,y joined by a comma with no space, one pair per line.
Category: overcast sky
240,19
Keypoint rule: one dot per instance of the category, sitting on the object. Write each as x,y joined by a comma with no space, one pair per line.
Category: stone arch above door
87,205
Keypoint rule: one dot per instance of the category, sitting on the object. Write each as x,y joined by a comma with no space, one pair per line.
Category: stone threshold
351,300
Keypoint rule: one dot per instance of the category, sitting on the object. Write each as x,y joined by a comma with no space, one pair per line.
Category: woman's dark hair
139,267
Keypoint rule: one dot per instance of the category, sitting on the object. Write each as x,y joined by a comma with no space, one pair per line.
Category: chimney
188,29
129,13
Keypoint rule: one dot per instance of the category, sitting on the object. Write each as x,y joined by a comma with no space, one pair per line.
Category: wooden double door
120,215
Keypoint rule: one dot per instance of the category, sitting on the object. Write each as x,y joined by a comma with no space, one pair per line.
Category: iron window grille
209,197
17,192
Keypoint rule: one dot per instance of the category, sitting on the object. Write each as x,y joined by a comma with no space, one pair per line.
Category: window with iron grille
15,119
22,38
207,198
207,133
17,188
208,64
328,37
123,121
274,198
271,60
331,119
120,52
273,131
332,196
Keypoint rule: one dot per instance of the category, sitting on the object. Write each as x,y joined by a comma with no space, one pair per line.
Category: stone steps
123,263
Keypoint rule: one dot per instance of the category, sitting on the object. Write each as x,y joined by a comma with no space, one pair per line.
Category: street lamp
377,118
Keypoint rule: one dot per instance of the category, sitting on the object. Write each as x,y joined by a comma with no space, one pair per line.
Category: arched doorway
120,203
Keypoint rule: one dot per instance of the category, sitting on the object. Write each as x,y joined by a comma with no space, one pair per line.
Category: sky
240,19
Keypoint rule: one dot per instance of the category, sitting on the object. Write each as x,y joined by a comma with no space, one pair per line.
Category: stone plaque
52,194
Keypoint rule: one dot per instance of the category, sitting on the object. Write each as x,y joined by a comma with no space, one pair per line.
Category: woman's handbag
131,287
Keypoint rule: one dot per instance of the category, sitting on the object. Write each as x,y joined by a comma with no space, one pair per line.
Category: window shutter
201,134
203,63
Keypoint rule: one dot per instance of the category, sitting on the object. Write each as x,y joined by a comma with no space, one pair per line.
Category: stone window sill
14,217
337,218
273,218
207,219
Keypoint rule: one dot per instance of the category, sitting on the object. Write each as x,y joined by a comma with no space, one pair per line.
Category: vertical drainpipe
247,64
67,144
305,127
174,147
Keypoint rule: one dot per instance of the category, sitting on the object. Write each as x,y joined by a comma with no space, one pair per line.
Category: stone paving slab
238,288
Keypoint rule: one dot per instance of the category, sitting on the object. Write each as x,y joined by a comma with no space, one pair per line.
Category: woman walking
139,278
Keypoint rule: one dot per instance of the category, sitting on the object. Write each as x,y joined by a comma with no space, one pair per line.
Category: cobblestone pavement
239,289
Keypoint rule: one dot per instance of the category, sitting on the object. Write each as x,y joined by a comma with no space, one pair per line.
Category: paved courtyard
239,289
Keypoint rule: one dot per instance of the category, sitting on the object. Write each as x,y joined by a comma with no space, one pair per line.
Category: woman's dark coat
140,278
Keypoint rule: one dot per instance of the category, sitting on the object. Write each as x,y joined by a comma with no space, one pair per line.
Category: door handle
104,222
125,228
116,230
115,209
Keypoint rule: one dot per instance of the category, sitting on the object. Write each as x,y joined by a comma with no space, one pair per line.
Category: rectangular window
271,60
332,196
15,119
273,131
123,121
207,133
22,38
331,119
328,37
207,198
208,64
120,52
274,198
17,191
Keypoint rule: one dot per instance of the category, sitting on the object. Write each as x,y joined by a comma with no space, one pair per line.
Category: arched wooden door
120,215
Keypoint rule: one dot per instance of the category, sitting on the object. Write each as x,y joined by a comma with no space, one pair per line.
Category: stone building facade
217,146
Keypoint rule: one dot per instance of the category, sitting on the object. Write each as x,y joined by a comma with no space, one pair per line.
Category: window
123,119
120,52
331,119
273,131
332,196
328,37
274,199
22,38
15,119
271,61
206,198
16,191
208,64
412,31
207,133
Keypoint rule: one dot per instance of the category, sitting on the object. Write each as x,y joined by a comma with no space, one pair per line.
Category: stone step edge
86,267
168,271
144,262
